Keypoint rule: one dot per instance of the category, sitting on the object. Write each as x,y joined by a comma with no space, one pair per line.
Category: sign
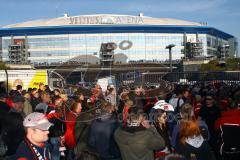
104,82
106,20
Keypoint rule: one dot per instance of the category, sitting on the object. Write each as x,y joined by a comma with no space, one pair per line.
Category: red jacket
9,101
125,115
69,134
231,113
232,116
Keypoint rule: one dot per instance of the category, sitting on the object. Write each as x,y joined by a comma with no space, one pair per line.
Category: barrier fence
179,77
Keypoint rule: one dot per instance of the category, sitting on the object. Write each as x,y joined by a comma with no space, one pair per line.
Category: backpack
3,146
230,148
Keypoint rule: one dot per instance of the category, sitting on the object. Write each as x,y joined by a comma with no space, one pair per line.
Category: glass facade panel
145,46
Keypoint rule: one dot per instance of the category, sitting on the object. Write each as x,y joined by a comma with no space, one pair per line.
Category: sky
221,14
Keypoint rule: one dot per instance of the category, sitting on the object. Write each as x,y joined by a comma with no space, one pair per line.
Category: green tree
3,65
231,64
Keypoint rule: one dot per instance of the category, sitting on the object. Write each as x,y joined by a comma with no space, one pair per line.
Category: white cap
37,120
163,106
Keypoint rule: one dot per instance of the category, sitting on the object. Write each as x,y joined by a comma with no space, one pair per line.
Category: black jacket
202,150
81,130
59,126
101,137
4,109
13,130
165,135
58,129
210,115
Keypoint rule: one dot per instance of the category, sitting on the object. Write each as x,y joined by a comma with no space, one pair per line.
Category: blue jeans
55,143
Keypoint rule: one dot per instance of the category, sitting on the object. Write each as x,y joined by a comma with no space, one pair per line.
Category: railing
190,78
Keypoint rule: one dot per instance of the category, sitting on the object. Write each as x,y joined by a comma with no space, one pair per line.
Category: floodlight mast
169,47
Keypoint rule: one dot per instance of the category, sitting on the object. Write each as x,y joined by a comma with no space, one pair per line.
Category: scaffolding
192,49
107,54
18,54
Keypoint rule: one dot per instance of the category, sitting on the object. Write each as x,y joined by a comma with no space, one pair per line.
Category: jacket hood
131,134
195,141
104,116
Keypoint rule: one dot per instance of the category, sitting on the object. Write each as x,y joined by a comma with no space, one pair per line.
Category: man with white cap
35,146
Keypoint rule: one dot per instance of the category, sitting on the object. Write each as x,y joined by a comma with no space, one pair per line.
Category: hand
62,140
146,124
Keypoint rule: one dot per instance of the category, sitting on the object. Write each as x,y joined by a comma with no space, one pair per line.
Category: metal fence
228,77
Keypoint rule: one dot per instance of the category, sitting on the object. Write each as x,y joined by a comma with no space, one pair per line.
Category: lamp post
169,47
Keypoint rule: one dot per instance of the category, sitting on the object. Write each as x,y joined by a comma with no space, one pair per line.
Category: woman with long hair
191,143
187,114
162,127
161,112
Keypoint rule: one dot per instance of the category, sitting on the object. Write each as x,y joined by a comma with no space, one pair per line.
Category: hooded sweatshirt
196,146
138,143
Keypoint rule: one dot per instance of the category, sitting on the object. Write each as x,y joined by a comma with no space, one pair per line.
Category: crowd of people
177,122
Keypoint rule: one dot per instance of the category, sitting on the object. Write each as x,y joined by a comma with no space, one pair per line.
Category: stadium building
138,38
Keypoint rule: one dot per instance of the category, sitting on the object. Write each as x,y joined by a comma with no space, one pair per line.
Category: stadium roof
103,19
108,23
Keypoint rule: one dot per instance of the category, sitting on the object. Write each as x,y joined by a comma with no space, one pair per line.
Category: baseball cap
163,106
37,120
18,99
